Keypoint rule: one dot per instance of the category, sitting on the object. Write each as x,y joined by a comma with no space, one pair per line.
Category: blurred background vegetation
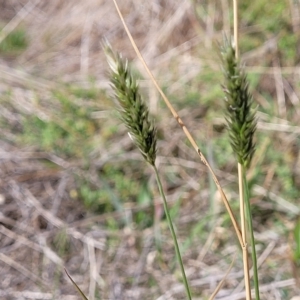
76,193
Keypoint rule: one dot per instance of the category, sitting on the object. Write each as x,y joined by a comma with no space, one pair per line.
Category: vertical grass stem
236,28
250,226
240,170
243,226
186,285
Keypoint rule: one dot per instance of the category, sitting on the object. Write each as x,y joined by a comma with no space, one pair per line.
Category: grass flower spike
135,115
240,118
241,123
133,111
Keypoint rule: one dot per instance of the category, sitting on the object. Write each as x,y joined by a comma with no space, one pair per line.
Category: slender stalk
236,28
243,225
241,171
242,203
250,226
186,285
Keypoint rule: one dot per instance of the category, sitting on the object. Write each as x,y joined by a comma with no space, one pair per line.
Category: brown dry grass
43,227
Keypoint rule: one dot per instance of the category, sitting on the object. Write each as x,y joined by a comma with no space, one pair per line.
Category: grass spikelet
240,116
241,122
135,115
133,111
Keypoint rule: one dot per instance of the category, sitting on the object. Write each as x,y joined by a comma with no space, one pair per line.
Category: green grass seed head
240,117
133,111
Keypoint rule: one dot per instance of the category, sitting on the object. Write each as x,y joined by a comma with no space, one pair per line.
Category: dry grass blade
42,248
184,128
218,288
17,19
17,266
77,287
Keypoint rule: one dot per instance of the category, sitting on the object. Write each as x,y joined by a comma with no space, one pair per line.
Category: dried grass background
38,211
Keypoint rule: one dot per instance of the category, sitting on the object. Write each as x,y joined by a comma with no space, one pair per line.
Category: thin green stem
186,285
250,225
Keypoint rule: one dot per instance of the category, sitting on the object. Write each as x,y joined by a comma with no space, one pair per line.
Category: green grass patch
14,43
68,132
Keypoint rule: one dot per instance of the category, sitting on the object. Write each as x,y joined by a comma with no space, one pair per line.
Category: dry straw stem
236,27
218,288
184,128
76,286
243,224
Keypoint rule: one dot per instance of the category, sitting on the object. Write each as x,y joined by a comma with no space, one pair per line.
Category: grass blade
76,286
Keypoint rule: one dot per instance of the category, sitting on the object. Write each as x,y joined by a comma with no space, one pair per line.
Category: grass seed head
240,117
133,111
